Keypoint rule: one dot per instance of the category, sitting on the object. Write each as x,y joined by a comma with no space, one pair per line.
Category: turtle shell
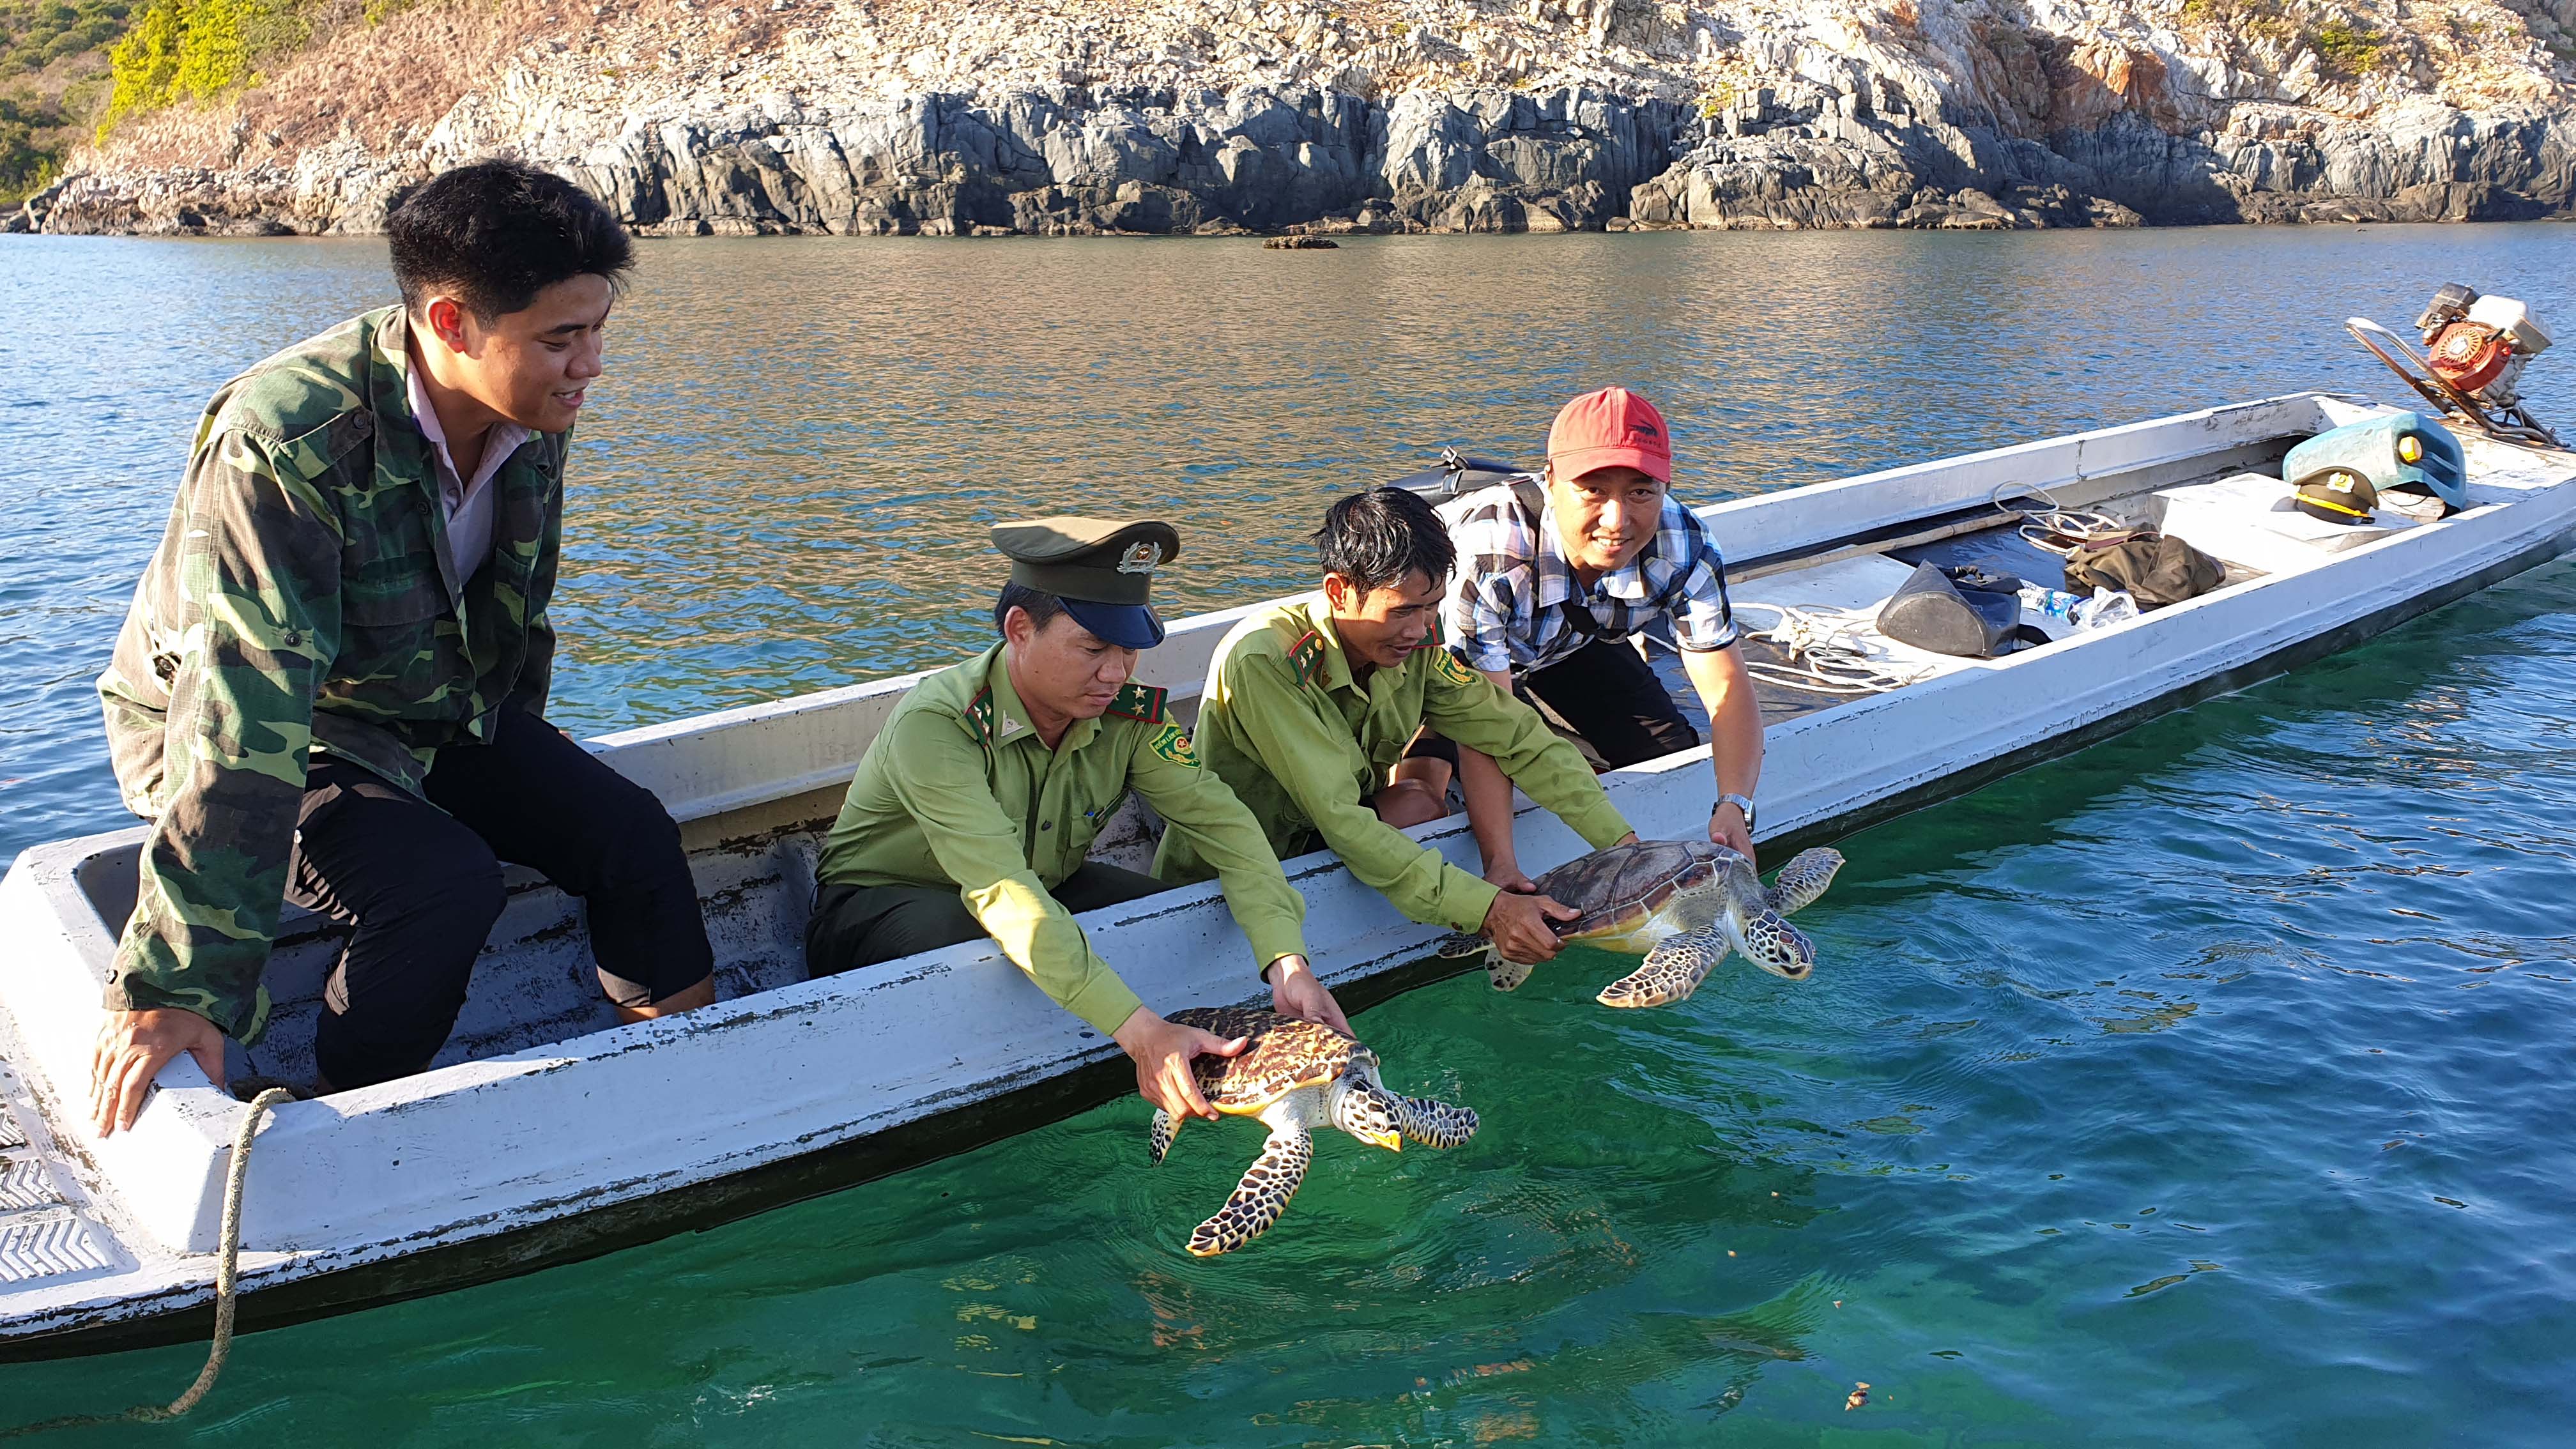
1284,1055
1617,888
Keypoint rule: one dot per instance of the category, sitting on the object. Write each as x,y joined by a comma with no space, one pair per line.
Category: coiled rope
225,1287
1825,652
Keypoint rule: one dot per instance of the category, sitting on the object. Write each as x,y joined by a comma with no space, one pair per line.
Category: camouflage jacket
304,598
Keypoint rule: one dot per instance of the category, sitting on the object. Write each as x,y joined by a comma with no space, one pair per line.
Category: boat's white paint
480,1147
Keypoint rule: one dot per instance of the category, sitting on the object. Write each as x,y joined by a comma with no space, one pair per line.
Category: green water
2210,1086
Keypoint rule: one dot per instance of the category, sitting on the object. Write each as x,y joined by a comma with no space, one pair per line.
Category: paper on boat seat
2251,519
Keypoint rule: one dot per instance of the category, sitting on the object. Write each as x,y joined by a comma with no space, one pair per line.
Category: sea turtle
1295,1076
1682,904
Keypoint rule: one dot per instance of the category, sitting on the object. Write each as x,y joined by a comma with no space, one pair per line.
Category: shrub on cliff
27,161
196,50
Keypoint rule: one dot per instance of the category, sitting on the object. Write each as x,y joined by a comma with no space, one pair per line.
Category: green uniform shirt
958,790
1306,747
304,597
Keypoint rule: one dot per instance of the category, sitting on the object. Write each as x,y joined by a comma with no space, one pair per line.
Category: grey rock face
1813,158
1843,151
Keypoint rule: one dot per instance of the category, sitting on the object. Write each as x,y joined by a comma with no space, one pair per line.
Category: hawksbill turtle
1296,1077
1682,904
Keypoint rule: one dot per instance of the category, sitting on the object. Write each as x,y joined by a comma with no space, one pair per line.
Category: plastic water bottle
2106,608
2050,606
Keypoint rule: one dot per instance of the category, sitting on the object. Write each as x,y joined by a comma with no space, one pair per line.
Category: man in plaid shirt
1545,602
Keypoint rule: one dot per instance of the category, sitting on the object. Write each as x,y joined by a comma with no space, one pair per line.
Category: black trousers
1604,697
863,925
1607,695
421,886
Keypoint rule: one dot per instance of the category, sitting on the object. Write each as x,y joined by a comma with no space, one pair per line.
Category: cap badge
1140,558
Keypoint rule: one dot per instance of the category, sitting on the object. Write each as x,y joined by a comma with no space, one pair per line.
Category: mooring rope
225,1287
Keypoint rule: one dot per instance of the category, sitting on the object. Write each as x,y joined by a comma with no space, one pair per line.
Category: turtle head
1364,1109
1776,946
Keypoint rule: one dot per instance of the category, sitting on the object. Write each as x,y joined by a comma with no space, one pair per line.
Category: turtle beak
1392,1141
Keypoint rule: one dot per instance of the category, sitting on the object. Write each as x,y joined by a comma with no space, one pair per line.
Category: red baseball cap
1607,429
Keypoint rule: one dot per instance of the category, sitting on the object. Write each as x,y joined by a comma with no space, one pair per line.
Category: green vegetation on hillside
196,50
53,66
28,155
36,33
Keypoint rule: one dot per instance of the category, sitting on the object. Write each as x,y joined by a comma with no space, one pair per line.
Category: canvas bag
1963,611
2154,568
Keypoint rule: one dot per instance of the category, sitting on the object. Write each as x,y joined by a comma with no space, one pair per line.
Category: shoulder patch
1173,743
1306,656
1141,701
1450,667
979,716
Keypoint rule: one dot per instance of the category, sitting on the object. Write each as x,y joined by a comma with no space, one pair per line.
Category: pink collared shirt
467,503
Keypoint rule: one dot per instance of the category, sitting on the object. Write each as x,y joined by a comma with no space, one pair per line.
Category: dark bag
1963,611
2154,568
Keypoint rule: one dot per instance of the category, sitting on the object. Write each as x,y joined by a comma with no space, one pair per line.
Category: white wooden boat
547,1132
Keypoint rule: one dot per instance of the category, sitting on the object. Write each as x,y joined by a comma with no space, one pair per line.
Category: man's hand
133,1047
1294,991
1162,1051
1726,827
1519,926
1509,877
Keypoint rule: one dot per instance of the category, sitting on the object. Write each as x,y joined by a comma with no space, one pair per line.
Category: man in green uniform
1311,706
974,810
331,686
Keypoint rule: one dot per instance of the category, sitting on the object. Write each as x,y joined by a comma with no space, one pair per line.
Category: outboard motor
2476,348
2479,344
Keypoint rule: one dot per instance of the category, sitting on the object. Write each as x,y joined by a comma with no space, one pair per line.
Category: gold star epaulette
979,717
1141,701
1307,655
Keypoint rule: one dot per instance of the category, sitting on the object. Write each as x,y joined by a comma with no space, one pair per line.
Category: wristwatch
1740,802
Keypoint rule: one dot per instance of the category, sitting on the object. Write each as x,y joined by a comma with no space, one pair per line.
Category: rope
1826,654
225,1286
2056,529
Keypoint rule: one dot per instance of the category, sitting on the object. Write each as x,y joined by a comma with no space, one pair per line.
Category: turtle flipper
1260,1198
1457,946
1159,1136
1506,973
1802,880
1673,970
1436,1124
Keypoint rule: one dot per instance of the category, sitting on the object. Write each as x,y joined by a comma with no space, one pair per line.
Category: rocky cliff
1086,116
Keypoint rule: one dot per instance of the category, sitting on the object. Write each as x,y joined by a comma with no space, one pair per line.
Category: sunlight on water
2208,1086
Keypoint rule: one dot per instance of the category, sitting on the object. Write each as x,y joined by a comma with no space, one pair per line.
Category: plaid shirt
1514,605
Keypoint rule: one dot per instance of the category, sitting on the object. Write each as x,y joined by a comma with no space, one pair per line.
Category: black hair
496,233
1040,605
1378,538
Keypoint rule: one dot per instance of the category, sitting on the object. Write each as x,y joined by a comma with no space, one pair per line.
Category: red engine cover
2469,355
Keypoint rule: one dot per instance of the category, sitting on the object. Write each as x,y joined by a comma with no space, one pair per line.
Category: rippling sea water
2208,1086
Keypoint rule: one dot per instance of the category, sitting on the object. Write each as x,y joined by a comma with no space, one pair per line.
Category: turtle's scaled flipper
1437,1124
1159,1136
1457,946
1260,1198
1673,970
1802,880
1506,973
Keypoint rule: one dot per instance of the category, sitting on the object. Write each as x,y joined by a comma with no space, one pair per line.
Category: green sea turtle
1296,1077
1682,904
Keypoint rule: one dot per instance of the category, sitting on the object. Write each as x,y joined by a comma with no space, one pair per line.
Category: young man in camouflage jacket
330,688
